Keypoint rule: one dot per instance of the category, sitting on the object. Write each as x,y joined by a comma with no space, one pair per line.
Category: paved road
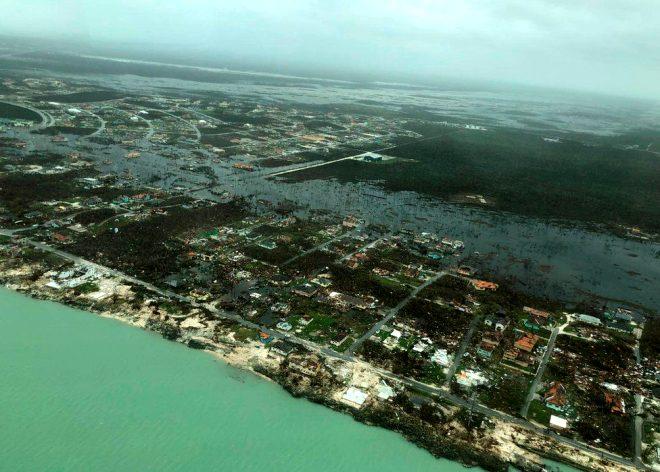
638,424
213,119
310,166
321,246
127,214
439,392
198,134
101,127
638,420
326,163
268,173
539,372
47,119
392,313
170,294
463,347
484,410
362,249
151,131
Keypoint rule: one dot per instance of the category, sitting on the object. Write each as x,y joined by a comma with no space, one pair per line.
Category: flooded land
475,268
555,191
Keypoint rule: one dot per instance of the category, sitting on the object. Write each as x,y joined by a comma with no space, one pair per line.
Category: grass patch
539,412
87,287
243,334
433,374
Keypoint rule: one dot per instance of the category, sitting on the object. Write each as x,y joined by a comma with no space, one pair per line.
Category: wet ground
564,260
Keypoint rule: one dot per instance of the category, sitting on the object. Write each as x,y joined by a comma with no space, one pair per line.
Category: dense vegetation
312,262
277,255
151,247
506,393
399,361
94,216
360,281
447,288
12,112
440,323
598,423
19,192
54,130
650,343
521,173
605,355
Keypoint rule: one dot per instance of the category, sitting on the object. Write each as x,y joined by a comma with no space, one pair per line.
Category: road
363,248
484,410
539,372
169,294
101,127
392,313
127,212
50,121
462,348
325,351
198,134
311,166
321,246
639,423
212,120
47,119
327,163
151,130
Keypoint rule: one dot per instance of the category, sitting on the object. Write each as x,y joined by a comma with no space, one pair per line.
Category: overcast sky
610,46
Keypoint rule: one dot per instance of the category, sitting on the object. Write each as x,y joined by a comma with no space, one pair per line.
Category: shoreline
311,376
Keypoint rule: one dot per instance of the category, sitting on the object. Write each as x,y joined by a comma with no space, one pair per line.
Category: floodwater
550,259
561,261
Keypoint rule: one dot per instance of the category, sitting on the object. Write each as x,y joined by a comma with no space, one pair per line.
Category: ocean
82,393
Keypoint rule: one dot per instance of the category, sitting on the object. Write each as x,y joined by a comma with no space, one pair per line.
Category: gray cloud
610,46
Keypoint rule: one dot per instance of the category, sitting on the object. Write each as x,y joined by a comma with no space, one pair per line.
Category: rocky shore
440,427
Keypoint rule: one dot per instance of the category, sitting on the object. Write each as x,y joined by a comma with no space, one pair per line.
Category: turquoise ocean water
82,393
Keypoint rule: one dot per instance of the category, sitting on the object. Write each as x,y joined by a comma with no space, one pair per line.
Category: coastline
495,447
